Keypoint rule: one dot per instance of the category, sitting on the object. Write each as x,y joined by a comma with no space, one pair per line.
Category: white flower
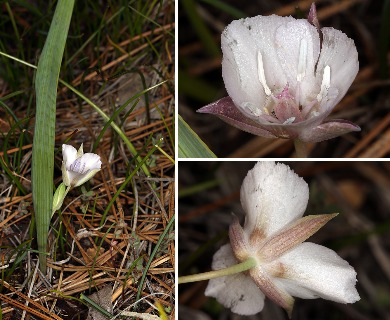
284,77
274,199
78,167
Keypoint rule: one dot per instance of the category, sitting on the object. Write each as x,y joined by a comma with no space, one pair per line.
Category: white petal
312,271
340,54
242,40
237,292
69,155
84,168
298,48
91,160
65,175
272,196
85,177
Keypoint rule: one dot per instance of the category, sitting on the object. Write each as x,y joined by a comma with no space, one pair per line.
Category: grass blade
190,145
44,132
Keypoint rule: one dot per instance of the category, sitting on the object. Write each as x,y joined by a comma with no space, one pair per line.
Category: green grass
122,40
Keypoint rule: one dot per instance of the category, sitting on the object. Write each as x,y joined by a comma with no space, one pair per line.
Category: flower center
286,107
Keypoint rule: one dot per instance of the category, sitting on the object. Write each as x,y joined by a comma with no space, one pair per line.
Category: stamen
260,70
325,85
302,60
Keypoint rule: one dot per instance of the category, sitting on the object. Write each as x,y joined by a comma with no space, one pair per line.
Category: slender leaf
43,144
190,145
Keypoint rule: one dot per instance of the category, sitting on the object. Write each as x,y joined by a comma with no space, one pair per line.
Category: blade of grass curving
160,240
108,123
199,187
190,145
16,31
171,133
118,130
102,25
43,144
94,305
146,17
5,106
12,177
124,184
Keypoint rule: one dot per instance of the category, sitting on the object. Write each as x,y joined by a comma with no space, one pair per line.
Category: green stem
300,148
237,268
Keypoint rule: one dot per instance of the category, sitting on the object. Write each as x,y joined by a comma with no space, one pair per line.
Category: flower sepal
59,196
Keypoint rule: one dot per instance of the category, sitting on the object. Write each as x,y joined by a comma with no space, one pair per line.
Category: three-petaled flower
274,199
284,77
77,166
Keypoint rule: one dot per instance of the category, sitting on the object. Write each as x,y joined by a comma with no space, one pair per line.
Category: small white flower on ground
78,167
274,199
284,76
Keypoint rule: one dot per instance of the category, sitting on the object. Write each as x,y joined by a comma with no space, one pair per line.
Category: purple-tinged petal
272,195
237,292
292,235
239,240
311,271
226,110
328,130
271,289
312,17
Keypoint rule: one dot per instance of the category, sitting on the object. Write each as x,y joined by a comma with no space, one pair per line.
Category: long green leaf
190,145
43,144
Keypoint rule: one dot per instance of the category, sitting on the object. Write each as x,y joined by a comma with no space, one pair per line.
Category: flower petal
237,292
226,110
293,235
340,54
272,196
69,155
241,42
272,289
298,46
328,130
311,271
239,240
92,161
81,179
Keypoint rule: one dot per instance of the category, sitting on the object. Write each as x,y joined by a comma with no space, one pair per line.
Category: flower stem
237,268
300,148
